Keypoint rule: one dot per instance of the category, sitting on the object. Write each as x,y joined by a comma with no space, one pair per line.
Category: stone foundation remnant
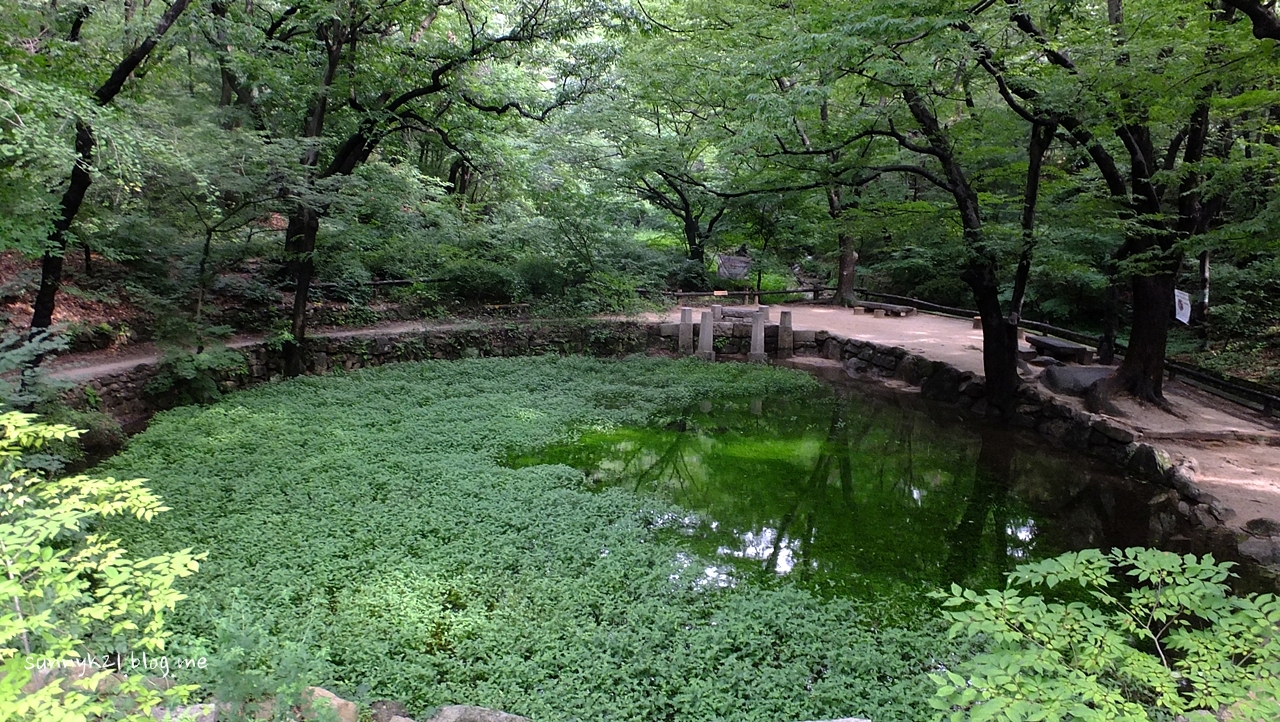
686,331
757,355
706,338
786,338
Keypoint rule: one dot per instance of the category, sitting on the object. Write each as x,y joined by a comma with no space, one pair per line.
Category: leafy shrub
18,351
689,275
188,377
407,562
246,290
543,276
479,281
72,592
1133,634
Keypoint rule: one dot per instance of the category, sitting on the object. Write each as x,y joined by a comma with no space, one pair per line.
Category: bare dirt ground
1236,449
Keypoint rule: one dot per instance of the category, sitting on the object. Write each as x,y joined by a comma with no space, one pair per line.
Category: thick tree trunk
1142,371
300,245
693,238
999,340
848,271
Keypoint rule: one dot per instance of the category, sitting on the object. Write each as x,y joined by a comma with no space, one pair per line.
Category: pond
850,493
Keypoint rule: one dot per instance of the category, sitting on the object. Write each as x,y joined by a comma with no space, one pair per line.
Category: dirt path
85,366
1237,450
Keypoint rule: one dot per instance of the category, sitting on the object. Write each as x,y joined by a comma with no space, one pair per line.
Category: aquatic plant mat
406,533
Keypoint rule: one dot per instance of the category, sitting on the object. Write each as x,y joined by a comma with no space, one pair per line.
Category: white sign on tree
1182,306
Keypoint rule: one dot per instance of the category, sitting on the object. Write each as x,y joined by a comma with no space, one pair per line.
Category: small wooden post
786,338
706,333
977,322
686,331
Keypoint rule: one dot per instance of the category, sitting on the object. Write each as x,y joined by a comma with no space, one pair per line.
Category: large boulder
1073,380
317,698
1148,463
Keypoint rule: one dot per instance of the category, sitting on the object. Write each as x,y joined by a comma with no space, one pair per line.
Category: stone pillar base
758,358
706,355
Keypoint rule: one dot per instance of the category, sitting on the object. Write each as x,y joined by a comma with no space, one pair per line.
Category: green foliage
17,354
194,377
71,591
1130,635
482,282
409,563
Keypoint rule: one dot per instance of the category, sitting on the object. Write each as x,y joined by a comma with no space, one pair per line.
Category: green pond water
854,494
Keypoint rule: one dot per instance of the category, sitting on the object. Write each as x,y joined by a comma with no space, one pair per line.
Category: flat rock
465,713
1112,430
1264,550
1073,380
1262,527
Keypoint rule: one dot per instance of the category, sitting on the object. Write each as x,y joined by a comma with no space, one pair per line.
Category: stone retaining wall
126,397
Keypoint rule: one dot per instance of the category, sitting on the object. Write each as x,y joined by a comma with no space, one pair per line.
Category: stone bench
890,309
1061,350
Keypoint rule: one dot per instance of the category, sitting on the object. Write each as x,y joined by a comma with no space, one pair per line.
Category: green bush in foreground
366,526
72,596
1158,635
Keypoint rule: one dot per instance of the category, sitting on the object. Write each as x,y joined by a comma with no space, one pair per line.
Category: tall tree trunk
845,294
1142,371
72,199
848,263
73,196
693,238
999,336
300,244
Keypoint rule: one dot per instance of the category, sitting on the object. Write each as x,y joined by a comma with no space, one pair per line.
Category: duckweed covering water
363,532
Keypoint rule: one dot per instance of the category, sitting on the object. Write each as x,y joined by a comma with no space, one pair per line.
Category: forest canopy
199,166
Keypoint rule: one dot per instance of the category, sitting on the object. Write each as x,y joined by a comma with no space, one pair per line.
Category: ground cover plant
363,533
1137,634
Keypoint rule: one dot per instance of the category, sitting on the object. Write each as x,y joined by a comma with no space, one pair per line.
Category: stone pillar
786,339
765,311
706,338
686,331
977,322
757,355
878,313
717,313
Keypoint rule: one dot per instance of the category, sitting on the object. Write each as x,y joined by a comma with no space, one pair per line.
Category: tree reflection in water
852,493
